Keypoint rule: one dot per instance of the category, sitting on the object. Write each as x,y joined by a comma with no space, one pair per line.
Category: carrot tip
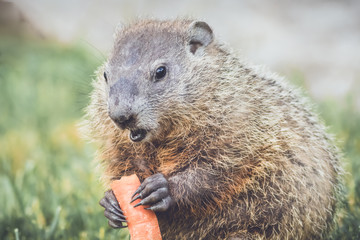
142,223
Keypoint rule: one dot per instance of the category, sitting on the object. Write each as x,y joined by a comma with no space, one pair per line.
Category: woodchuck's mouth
137,135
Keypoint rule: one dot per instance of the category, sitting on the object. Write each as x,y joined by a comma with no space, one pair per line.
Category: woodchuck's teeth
137,135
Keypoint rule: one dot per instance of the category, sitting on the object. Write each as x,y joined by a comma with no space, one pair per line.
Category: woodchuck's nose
123,121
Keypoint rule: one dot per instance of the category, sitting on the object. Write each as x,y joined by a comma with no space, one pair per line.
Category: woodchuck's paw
154,191
113,211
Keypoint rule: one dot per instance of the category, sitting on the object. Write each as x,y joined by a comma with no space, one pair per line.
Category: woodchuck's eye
105,77
160,73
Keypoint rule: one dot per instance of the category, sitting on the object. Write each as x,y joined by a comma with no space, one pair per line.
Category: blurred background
49,50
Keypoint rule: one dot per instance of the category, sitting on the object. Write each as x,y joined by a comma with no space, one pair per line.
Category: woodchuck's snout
122,111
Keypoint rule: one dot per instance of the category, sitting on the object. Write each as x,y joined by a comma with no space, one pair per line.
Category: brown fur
244,154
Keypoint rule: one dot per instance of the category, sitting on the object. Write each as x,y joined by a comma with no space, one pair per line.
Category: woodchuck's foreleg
112,212
154,191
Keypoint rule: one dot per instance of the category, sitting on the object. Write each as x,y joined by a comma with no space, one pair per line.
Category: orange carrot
142,223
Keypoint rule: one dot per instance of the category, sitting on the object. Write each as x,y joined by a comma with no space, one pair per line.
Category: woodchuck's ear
200,35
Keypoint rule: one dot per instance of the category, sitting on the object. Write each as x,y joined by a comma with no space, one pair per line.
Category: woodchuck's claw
162,206
115,224
112,210
136,192
154,191
137,197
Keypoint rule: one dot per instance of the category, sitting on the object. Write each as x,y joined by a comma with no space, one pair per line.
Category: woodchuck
224,150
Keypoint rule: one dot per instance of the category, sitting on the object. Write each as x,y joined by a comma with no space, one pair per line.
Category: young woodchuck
224,150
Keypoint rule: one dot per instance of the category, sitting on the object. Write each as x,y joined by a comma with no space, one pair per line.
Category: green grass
48,185
344,122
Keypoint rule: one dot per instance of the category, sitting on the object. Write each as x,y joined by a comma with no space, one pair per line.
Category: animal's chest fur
143,166
166,159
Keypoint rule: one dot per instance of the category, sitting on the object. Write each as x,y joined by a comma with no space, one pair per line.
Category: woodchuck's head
153,74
